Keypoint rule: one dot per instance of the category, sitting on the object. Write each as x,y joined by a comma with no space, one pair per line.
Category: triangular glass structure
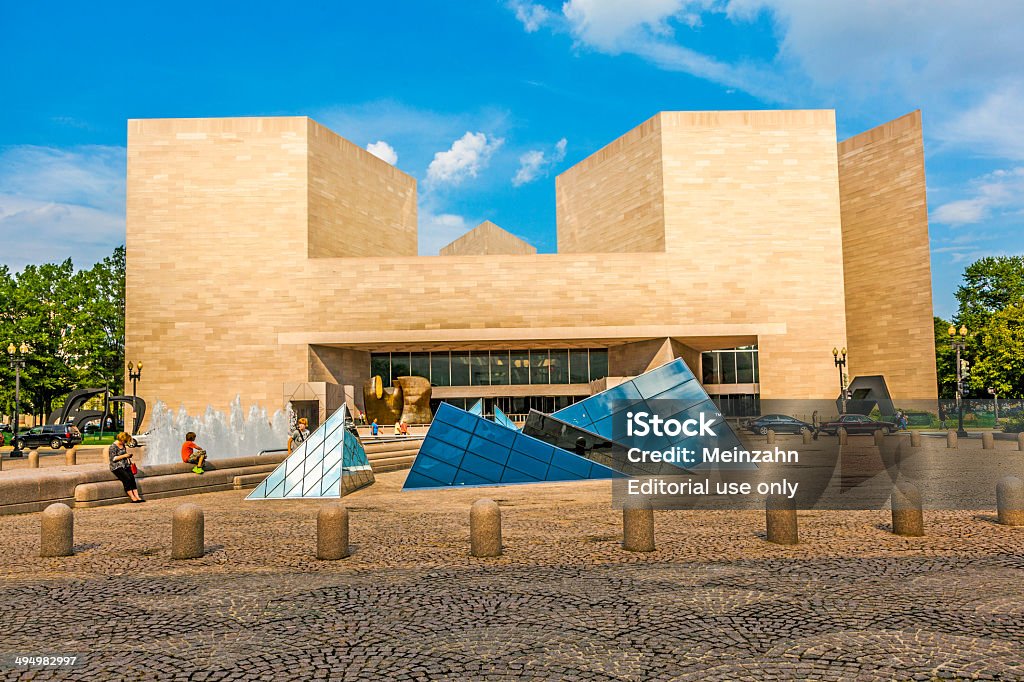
478,408
502,418
671,392
331,462
463,449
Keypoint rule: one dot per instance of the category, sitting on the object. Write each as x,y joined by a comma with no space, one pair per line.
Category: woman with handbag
121,465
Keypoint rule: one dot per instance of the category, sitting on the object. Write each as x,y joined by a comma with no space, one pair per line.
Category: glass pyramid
502,418
669,391
330,463
463,449
478,408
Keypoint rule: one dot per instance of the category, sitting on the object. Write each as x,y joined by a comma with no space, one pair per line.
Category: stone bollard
907,517
807,435
879,437
951,439
842,435
33,459
187,532
771,436
71,456
915,439
1010,501
988,441
638,526
485,528
332,532
780,520
1020,441
57,531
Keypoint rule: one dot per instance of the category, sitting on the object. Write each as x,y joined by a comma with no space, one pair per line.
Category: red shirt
186,450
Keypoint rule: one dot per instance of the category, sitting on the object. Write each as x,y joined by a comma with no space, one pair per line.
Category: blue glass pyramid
331,462
502,418
478,408
463,449
669,391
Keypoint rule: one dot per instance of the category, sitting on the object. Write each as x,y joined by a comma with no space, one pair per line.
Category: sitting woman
121,466
192,453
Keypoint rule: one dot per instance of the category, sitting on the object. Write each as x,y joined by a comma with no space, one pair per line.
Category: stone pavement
713,602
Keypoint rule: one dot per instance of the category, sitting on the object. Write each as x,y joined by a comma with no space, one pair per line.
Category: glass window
420,365
757,372
707,368
727,364
598,363
744,367
499,367
519,366
579,367
479,369
559,372
539,366
440,369
380,365
399,365
460,368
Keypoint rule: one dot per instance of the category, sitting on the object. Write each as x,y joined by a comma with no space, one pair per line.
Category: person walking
374,428
122,467
398,429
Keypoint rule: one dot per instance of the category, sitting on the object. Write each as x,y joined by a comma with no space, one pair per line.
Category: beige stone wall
359,205
224,299
487,239
887,258
613,199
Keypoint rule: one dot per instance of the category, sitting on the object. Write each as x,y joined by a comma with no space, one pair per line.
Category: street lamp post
134,375
17,357
958,345
841,364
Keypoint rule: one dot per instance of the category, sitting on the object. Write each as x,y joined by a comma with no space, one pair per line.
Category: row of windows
517,407
738,404
494,368
737,366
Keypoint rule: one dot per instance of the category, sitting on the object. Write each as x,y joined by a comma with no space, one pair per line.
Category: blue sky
485,102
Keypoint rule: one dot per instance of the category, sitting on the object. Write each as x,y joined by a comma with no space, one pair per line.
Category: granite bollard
485,528
57,531
1010,501
187,531
71,456
332,532
1020,442
915,439
33,459
988,441
780,520
907,515
771,436
807,435
951,439
638,525
842,435
879,437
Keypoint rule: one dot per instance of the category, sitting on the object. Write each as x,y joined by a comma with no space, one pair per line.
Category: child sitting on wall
192,453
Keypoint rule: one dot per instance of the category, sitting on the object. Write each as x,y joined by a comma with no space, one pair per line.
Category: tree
990,284
1000,364
945,360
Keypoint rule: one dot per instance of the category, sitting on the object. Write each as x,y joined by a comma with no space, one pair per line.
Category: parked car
55,436
779,423
6,428
138,440
857,424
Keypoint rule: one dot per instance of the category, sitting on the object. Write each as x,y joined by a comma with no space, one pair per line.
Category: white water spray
237,435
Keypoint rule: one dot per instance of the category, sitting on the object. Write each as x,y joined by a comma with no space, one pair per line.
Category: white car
138,440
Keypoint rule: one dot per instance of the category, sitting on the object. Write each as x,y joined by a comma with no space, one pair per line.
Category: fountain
235,435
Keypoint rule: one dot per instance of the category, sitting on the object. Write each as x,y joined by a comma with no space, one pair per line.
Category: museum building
271,258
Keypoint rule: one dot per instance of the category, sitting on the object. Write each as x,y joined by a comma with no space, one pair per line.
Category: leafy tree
945,360
1000,363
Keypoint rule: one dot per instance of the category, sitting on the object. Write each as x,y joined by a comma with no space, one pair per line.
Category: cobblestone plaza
714,601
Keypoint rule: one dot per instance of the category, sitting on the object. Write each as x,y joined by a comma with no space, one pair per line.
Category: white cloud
536,162
382,150
467,156
61,203
999,192
991,127
531,15
437,230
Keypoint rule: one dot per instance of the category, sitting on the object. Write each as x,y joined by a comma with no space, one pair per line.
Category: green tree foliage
1000,362
73,322
945,360
990,284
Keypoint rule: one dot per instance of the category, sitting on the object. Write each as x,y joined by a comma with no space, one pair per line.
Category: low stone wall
30,490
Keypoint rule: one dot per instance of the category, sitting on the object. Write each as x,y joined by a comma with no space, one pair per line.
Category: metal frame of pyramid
331,462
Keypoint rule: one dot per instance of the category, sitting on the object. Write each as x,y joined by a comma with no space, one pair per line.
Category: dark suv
54,435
